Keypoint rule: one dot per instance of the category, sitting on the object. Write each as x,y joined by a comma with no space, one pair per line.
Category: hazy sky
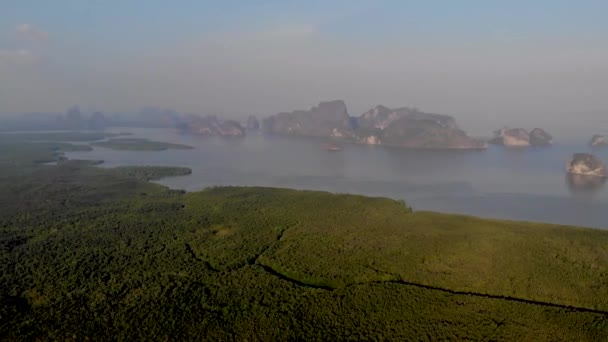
488,63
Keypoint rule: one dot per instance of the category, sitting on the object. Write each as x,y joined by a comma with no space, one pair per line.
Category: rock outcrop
511,137
75,119
402,127
382,117
328,119
410,128
598,141
210,126
586,165
519,137
539,137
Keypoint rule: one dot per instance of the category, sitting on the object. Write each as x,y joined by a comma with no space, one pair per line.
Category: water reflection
583,184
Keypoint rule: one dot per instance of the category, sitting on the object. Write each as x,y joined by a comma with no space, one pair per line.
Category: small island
521,138
598,140
137,144
586,164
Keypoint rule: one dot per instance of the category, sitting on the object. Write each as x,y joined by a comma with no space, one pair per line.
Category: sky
488,63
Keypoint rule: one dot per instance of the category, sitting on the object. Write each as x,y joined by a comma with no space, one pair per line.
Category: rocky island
519,137
586,164
539,137
328,119
410,128
598,140
402,127
511,137
210,125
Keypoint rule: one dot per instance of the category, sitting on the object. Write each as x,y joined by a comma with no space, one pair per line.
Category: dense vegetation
99,253
56,136
136,144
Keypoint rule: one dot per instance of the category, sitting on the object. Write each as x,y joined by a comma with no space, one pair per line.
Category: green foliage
378,241
148,173
56,136
135,144
23,154
101,254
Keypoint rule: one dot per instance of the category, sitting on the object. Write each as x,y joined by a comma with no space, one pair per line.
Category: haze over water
529,184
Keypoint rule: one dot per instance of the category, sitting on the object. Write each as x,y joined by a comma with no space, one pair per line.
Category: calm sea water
501,183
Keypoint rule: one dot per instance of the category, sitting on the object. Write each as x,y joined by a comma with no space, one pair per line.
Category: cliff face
328,119
382,117
230,128
598,141
402,127
540,137
587,165
211,126
519,137
406,127
427,134
511,137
